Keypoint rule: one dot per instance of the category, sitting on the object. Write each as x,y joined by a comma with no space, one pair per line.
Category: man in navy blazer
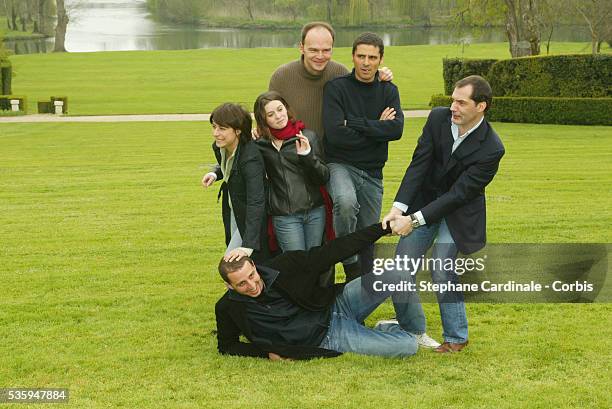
441,200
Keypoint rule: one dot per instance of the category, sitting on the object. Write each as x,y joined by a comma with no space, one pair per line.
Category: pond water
114,25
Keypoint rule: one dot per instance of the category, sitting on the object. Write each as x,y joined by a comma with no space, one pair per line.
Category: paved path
138,118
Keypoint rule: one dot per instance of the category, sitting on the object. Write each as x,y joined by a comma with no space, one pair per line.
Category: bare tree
249,7
596,14
293,7
11,14
23,15
41,17
61,26
520,20
522,27
552,14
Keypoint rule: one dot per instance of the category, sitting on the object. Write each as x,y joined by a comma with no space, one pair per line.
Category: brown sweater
304,91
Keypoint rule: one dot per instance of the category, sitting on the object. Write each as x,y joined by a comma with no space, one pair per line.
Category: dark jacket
452,187
298,279
294,180
363,140
247,190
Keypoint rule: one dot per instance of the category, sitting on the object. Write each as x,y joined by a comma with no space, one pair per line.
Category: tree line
339,12
44,17
26,15
528,23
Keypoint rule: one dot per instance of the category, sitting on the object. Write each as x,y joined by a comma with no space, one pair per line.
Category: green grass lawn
109,248
195,81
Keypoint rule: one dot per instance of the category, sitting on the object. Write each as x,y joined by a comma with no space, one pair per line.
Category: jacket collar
236,154
466,148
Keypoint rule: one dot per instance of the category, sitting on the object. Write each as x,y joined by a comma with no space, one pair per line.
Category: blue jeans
346,334
357,198
452,307
300,231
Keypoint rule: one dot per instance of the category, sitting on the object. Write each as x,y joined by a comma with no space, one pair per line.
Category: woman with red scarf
296,172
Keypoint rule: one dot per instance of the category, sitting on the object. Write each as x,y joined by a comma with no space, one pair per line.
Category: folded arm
381,130
336,131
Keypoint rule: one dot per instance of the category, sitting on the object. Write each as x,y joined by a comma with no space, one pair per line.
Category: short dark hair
259,110
226,267
309,26
481,90
370,39
233,116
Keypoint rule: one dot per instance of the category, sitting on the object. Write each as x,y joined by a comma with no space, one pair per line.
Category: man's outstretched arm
324,257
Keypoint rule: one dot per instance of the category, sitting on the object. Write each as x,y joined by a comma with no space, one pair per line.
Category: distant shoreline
24,37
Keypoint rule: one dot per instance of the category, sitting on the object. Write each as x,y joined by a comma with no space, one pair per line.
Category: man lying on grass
280,307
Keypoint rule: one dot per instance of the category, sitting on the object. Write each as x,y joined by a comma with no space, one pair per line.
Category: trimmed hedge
6,77
5,102
64,108
544,110
11,113
454,69
569,76
44,107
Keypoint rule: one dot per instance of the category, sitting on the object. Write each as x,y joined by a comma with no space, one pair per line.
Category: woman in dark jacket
292,156
241,168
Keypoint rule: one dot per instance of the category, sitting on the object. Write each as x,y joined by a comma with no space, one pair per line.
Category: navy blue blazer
452,187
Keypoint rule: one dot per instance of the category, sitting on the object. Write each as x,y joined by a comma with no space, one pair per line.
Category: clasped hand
399,224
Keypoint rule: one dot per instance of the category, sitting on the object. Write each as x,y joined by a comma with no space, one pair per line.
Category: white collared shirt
460,138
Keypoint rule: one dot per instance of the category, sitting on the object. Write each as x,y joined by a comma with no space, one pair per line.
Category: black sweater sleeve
337,133
382,131
323,257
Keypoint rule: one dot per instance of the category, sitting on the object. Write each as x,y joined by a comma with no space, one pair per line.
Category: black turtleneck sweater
362,141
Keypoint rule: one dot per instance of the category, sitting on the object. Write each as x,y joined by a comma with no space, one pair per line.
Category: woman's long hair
259,109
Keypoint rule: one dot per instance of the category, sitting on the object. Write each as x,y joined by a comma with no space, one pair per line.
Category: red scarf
289,131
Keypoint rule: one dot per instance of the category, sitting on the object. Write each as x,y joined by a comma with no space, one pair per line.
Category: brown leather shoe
451,347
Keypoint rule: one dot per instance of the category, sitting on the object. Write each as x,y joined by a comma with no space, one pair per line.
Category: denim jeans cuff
455,340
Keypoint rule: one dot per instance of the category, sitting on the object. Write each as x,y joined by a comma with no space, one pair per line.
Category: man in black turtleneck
360,116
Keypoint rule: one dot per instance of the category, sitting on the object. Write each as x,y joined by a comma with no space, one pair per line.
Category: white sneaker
426,341
423,339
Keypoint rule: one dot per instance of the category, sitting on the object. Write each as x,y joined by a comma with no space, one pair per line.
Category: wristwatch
415,221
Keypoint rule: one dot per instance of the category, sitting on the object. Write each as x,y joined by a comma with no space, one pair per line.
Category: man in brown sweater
301,82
